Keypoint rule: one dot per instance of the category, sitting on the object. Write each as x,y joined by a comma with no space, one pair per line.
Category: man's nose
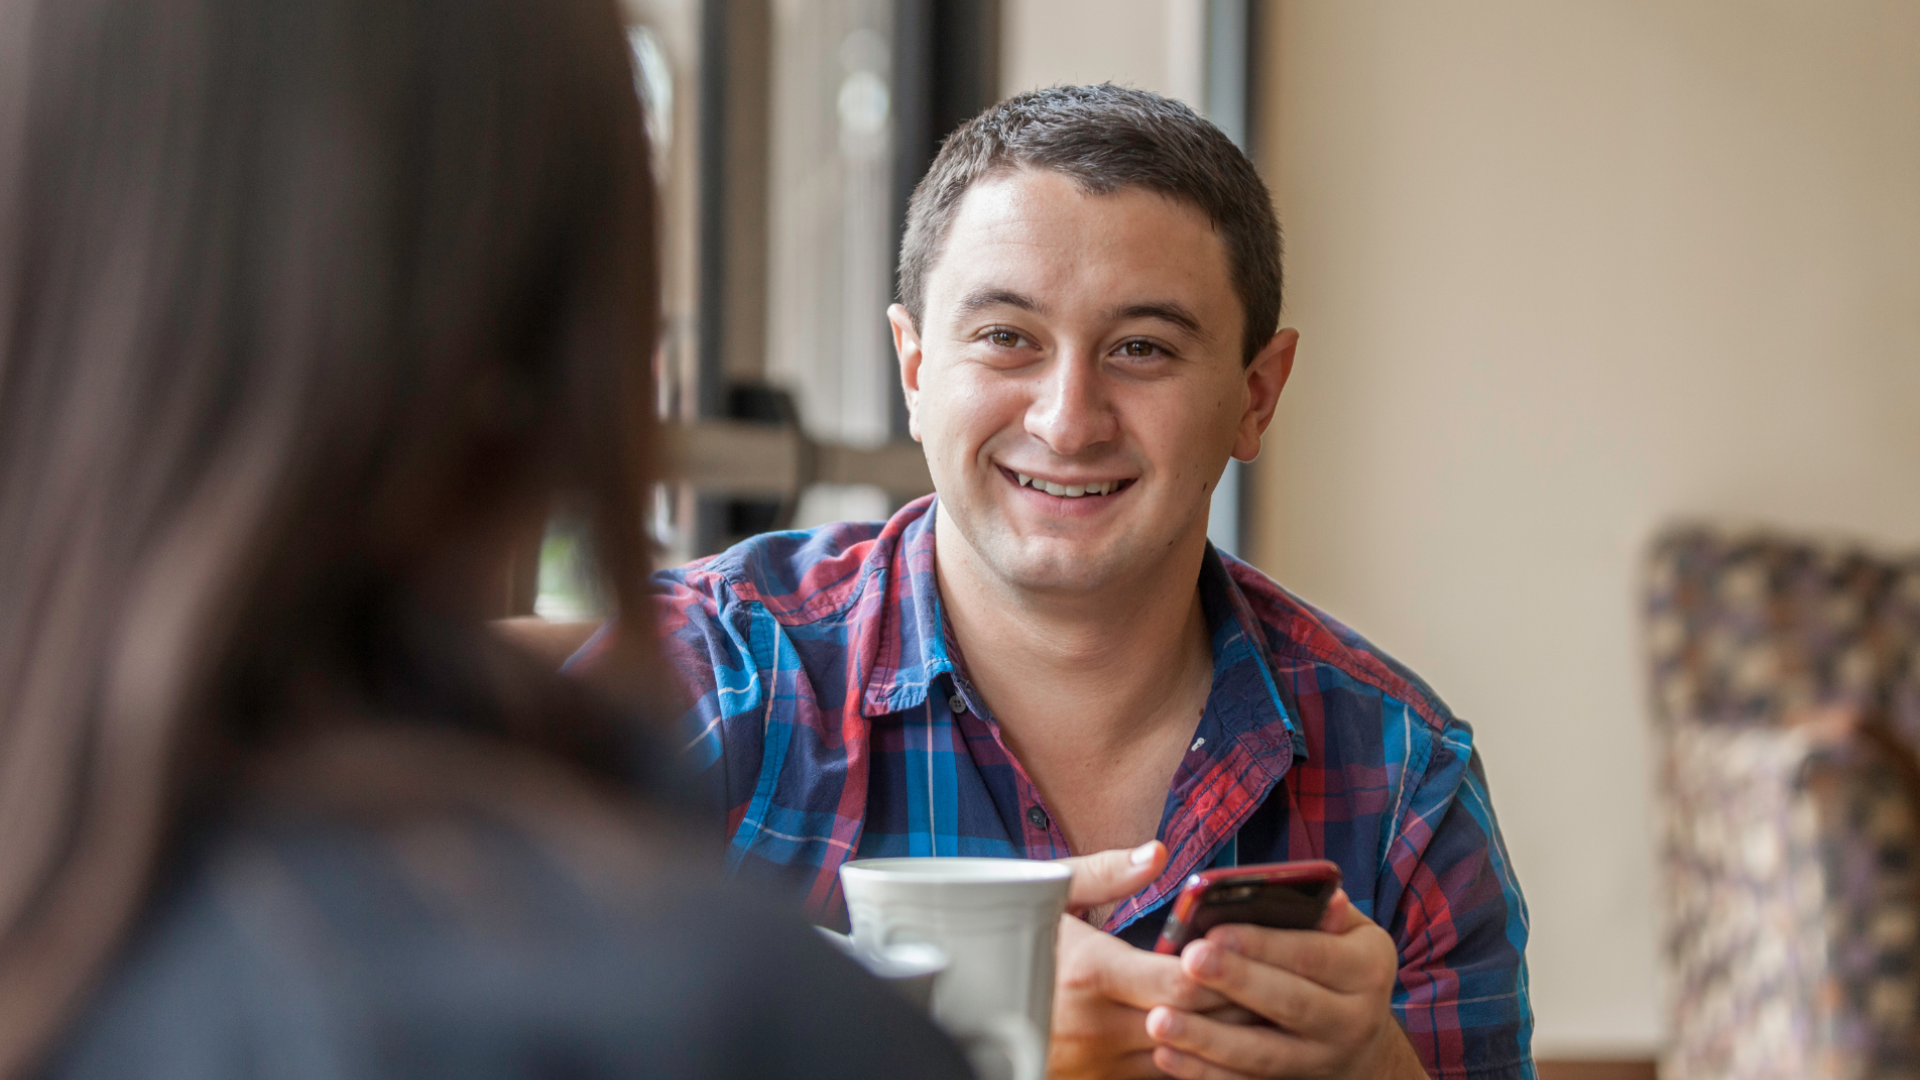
1071,410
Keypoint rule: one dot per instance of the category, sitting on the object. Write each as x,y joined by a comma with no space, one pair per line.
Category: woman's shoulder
316,947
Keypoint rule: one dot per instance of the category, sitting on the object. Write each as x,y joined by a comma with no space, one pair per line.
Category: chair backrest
1786,685
1750,628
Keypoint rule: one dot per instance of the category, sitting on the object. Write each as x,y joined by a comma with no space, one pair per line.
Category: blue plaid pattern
834,720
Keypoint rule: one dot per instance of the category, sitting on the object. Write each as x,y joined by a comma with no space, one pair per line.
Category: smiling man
1048,660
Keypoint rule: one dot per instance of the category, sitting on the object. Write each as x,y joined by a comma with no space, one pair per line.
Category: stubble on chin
1038,565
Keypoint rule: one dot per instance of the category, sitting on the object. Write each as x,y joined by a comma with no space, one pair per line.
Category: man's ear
1266,377
906,345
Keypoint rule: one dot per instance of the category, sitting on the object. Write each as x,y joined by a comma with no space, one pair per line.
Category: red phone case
1287,896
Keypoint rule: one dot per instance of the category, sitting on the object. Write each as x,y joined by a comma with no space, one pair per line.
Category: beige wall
1562,273
1150,44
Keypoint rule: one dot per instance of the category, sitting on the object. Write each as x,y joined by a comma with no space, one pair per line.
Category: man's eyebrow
981,299
1170,311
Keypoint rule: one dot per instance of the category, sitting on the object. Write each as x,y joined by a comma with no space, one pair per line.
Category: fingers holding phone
1325,989
1103,986
1347,953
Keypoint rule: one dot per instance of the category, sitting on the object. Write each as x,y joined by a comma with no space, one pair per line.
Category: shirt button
957,703
1037,817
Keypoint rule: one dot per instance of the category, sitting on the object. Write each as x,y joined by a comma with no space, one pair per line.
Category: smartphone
1285,896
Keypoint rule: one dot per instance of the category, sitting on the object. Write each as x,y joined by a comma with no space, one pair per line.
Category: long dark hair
301,304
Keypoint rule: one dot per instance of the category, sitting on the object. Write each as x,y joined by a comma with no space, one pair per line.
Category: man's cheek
962,428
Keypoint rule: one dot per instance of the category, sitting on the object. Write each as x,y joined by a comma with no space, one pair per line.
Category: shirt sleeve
1460,923
783,791
712,645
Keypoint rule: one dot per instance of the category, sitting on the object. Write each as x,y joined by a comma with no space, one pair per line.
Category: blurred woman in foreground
306,308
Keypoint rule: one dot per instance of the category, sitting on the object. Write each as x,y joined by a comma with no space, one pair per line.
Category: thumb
1341,915
1107,876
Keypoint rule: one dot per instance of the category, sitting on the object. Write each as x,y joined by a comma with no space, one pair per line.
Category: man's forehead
1039,204
1034,234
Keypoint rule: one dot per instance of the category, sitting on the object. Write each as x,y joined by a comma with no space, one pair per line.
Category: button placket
1036,815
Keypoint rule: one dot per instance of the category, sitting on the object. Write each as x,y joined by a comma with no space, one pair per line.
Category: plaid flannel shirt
835,719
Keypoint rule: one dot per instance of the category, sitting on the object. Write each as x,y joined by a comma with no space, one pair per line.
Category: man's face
1077,382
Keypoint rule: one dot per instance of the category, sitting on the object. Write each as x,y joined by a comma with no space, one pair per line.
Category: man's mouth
1067,491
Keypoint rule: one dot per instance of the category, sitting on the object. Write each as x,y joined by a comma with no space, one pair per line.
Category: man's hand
1325,992
1103,987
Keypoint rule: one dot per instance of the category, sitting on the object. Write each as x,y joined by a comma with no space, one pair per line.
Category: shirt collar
901,630
1245,694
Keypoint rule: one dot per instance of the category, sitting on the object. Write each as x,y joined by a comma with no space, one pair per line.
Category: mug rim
957,870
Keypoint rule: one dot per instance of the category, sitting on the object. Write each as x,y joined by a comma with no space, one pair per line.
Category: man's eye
1139,348
1006,339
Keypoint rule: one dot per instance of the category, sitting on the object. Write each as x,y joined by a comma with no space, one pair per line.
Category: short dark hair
1106,138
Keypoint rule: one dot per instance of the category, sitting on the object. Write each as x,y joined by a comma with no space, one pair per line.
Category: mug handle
1017,1040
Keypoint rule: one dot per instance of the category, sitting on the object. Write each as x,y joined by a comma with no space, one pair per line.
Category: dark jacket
313,947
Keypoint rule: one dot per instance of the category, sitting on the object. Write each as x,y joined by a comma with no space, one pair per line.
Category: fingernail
1161,1023
1142,855
1202,958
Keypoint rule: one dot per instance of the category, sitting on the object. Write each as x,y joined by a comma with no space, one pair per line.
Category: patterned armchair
1786,684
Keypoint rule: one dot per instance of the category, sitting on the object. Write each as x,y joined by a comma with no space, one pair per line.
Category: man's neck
1090,691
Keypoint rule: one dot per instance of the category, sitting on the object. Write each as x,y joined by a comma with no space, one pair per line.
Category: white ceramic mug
997,920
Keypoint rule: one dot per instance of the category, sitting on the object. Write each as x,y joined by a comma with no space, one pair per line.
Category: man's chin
1058,568
1083,565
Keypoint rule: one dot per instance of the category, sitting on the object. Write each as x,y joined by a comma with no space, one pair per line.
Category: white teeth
1067,491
